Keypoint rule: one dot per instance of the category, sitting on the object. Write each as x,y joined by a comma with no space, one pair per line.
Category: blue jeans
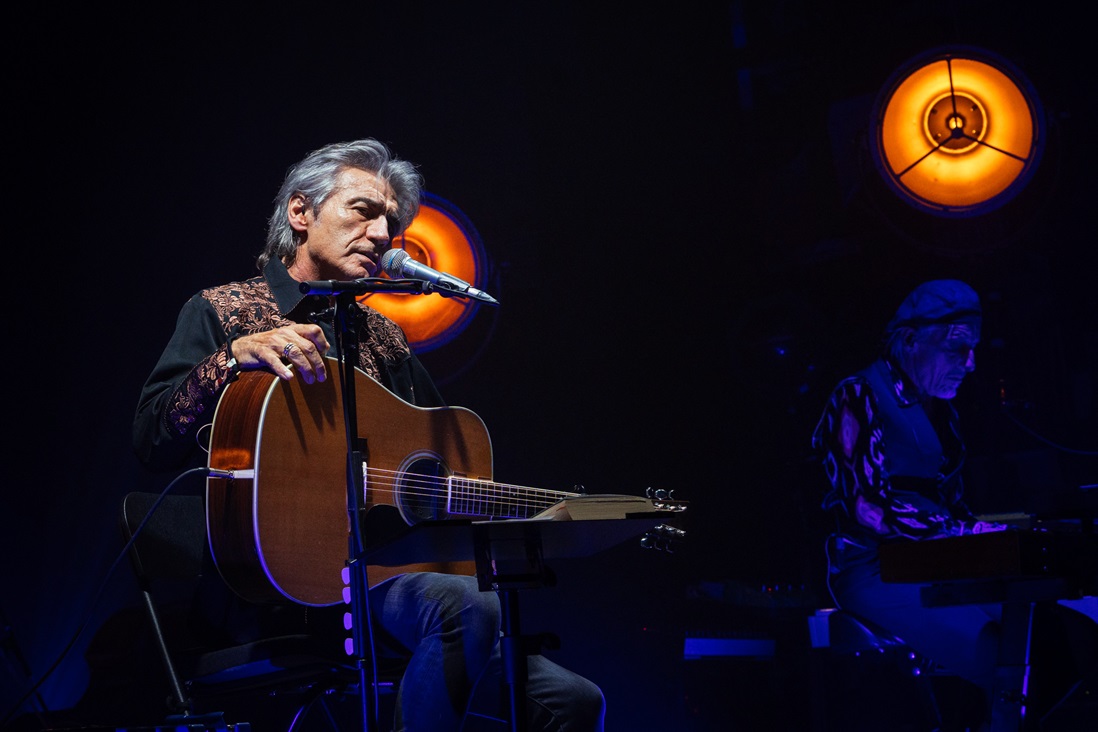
964,639
451,629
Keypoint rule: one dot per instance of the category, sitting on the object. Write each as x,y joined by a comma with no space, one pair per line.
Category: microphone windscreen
392,262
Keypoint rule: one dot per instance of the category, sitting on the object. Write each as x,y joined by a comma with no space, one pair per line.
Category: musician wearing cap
891,444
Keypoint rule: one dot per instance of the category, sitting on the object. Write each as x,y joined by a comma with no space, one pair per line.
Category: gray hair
315,178
894,342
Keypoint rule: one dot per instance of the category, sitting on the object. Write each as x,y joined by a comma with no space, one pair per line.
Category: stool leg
1008,700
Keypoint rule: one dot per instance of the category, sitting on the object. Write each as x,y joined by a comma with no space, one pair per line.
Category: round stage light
443,238
957,132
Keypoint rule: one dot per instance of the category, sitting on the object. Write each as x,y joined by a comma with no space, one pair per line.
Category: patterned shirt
180,396
893,461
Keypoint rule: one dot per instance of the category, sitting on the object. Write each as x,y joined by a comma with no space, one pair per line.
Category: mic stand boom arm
368,285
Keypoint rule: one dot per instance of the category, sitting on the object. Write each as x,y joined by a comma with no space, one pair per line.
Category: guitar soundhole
421,491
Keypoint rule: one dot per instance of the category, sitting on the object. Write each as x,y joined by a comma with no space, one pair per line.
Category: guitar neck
470,497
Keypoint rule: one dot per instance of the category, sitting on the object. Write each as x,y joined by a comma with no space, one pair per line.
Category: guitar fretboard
470,497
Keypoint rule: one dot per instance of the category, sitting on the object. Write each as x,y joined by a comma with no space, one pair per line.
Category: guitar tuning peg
661,494
654,541
671,531
577,488
662,537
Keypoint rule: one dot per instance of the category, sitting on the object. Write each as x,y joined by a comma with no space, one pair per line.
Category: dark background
687,237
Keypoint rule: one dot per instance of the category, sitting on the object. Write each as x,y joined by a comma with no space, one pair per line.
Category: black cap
937,301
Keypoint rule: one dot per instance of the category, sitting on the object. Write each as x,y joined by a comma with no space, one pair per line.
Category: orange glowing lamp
441,237
957,132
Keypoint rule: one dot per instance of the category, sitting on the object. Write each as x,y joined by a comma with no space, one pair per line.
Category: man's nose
970,361
379,229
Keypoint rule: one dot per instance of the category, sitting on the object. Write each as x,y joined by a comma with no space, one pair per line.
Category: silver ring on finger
286,350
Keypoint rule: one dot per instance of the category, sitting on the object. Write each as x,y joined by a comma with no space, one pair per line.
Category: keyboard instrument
1019,568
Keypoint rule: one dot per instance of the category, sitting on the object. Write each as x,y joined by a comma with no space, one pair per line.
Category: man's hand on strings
300,345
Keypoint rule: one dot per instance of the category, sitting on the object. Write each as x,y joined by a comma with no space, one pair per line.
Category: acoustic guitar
279,527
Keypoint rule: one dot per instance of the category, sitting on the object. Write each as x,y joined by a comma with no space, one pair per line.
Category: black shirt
179,397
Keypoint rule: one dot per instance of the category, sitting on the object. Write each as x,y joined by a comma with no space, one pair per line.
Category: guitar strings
396,476
502,490
463,492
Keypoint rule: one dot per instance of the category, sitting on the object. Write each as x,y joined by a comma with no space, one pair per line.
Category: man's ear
297,212
908,337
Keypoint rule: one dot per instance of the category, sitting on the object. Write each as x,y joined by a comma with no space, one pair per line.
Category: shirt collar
902,386
286,289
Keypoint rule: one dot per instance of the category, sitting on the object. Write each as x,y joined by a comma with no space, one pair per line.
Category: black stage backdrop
687,240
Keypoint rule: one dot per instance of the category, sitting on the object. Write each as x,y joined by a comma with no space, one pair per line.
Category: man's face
941,357
347,236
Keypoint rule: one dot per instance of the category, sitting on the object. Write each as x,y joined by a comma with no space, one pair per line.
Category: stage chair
866,677
290,672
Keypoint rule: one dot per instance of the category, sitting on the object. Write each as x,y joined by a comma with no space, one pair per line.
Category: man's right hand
300,345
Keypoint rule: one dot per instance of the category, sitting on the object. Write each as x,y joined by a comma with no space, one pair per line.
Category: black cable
98,594
7,641
1036,436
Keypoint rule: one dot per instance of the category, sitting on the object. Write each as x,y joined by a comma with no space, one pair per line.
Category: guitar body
283,531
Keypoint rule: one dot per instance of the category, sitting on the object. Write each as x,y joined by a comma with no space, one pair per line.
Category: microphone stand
505,562
344,293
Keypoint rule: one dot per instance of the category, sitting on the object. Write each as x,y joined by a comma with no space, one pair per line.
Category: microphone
396,263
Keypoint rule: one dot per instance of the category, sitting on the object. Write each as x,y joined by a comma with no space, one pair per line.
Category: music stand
510,556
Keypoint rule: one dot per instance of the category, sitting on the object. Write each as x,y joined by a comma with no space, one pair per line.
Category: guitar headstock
665,500
664,537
